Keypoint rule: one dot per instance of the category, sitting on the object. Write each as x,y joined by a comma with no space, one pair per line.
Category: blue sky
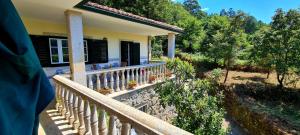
261,9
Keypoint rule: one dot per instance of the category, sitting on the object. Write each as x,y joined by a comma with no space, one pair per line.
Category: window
59,51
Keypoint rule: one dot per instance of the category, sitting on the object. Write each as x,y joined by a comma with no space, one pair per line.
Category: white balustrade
118,78
86,110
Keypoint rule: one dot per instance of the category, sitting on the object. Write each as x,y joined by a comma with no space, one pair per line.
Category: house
99,47
106,36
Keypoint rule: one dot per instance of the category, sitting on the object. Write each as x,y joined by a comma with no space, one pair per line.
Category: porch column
75,46
171,45
149,49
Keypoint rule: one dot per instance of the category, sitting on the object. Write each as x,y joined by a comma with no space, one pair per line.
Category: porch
82,110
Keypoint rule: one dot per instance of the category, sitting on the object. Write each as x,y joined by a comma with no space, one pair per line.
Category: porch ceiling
53,10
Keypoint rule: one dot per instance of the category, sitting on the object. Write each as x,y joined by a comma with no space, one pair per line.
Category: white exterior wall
42,27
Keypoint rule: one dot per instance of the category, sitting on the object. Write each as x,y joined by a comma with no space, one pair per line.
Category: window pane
53,42
65,50
54,51
66,58
55,59
64,43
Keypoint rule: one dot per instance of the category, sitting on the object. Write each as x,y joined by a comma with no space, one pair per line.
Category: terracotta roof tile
133,16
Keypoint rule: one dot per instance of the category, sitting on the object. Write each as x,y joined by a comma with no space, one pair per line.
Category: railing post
102,122
125,128
75,110
81,128
112,80
128,77
105,80
141,76
147,74
132,74
71,117
94,120
123,80
63,110
87,116
90,81
67,114
112,125
137,77
117,81
98,82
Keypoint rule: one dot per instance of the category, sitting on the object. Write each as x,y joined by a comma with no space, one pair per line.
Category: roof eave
83,6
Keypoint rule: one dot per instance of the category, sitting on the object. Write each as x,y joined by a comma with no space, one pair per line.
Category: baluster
137,77
94,120
63,110
67,114
132,74
112,80
123,80
117,81
71,117
90,81
87,116
156,72
81,116
145,76
125,128
102,123
75,110
98,82
160,73
128,77
58,97
141,76
105,80
112,125
165,69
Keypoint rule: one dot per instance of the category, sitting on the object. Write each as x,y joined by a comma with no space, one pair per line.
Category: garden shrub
197,101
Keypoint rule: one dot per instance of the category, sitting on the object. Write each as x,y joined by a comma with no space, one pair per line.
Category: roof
95,7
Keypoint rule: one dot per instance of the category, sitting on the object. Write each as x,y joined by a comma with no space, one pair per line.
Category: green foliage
279,46
156,51
197,102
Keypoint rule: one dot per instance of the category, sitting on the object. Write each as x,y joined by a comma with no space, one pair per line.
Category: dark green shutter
135,54
97,51
41,46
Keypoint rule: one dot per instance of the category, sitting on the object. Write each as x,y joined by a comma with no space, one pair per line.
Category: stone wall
147,97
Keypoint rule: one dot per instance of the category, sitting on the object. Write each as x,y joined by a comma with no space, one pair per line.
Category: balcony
86,111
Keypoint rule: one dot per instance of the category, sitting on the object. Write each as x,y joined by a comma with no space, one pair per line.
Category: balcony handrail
124,68
137,119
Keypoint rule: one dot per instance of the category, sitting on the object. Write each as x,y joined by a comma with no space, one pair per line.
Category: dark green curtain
24,88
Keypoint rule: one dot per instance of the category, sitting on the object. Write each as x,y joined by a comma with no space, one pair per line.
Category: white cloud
204,9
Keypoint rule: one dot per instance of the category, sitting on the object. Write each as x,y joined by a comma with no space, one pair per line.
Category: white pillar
171,45
149,49
75,45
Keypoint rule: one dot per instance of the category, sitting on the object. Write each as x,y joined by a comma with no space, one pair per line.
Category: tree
250,25
197,102
234,38
282,43
214,27
258,54
194,8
